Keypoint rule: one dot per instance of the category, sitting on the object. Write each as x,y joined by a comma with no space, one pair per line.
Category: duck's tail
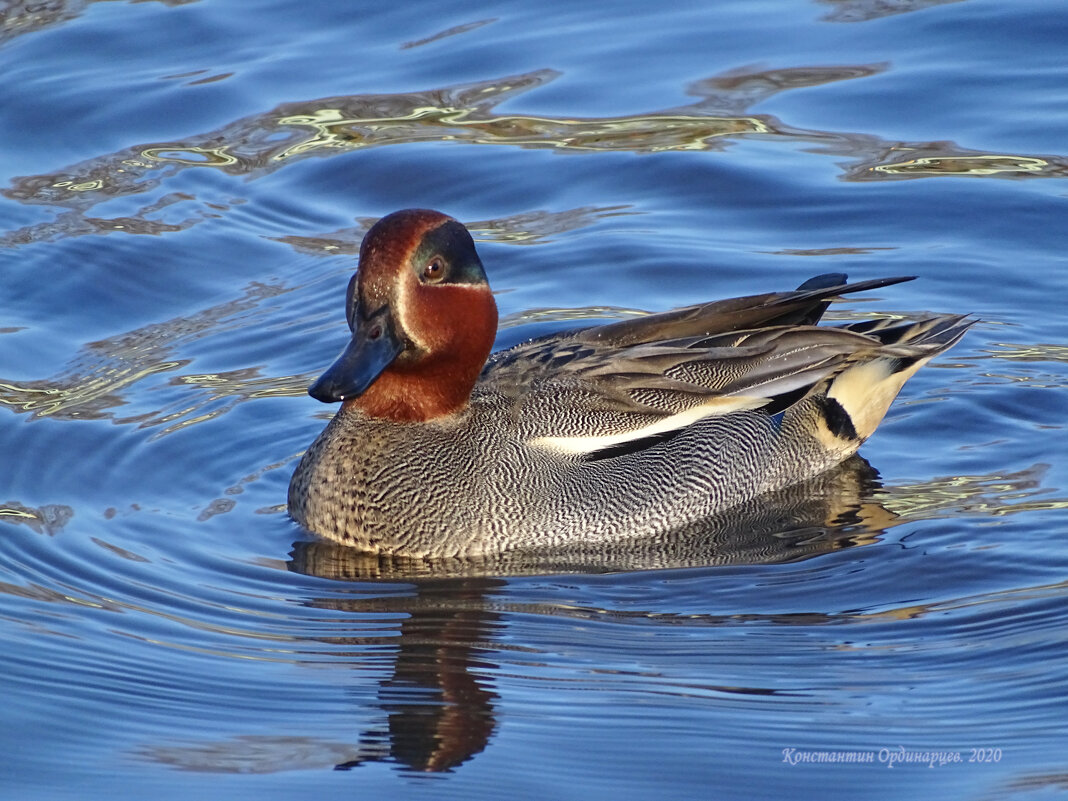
854,401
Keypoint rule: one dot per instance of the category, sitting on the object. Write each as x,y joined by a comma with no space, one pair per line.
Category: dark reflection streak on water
822,252
736,91
1034,782
252,754
865,10
453,31
260,144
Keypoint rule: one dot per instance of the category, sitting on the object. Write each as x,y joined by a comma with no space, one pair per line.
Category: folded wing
627,386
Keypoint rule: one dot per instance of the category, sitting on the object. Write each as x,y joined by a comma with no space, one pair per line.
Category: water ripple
258,145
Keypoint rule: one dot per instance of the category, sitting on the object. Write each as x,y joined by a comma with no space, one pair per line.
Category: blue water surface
183,189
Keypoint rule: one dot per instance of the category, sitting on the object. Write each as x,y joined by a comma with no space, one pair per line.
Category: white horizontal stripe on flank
591,444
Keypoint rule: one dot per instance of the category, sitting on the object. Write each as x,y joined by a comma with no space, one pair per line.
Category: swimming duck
599,434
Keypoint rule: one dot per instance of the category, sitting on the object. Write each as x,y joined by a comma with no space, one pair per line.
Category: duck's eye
434,270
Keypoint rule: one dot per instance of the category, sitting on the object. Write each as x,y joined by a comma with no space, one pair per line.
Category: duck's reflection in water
439,702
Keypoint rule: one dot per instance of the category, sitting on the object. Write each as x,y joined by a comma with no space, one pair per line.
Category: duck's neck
414,397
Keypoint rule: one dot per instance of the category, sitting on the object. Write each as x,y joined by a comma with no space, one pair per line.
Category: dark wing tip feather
828,285
824,281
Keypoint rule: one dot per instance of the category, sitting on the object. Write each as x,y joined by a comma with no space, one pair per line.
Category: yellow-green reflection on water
260,144
95,382
990,495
